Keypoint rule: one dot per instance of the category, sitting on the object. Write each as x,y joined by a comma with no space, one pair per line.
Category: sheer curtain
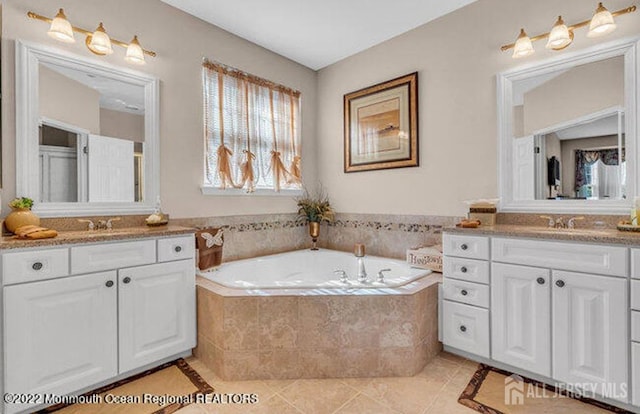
252,135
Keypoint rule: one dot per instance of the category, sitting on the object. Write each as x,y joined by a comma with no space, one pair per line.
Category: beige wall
81,106
578,92
457,58
181,41
118,124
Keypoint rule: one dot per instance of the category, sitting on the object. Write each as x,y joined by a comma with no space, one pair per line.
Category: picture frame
381,126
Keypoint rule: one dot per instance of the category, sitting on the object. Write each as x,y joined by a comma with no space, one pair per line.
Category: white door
111,176
521,317
524,168
157,312
60,335
590,332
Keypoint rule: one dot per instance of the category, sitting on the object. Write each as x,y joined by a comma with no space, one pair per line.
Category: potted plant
21,214
314,209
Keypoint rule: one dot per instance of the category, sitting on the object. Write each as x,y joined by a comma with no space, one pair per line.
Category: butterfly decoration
212,240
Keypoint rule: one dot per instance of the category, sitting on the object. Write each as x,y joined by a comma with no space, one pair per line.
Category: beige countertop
95,236
601,236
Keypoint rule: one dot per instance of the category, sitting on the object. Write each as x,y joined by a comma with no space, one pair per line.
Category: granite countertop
585,235
94,236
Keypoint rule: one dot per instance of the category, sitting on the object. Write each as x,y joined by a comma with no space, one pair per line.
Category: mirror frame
626,47
28,57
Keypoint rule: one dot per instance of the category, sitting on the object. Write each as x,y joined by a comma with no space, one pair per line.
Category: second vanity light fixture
97,42
561,35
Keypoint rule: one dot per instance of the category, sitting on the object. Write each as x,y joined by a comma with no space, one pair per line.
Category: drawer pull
37,266
463,269
126,280
541,280
177,249
463,328
464,246
109,283
463,292
560,283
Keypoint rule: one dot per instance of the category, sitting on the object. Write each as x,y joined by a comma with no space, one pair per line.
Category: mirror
89,135
567,133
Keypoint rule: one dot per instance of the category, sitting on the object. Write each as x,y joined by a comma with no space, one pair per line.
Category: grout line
346,402
290,403
440,391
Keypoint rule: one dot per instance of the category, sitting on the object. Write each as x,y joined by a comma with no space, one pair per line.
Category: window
252,134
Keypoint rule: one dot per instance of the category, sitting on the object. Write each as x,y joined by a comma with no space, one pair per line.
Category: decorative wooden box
426,258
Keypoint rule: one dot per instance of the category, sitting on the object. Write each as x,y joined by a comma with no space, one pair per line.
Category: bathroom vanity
560,306
88,308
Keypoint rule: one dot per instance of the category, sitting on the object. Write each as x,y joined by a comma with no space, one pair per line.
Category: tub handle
381,275
343,276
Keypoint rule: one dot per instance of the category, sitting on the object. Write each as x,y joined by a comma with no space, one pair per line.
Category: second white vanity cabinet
557,309
69,332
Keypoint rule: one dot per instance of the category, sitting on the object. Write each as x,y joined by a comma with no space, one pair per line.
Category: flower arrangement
315,208
21,203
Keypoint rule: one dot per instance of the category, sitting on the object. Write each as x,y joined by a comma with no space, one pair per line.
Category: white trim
626,47
28,57
259,192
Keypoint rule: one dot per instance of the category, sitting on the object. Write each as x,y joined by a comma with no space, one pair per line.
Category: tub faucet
381,275
343,276
362,272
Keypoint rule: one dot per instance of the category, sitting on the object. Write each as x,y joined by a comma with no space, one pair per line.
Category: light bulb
602,22
135,54
61,28
523,46
100,42
560,36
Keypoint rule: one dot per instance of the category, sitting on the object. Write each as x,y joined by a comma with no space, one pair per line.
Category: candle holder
314,232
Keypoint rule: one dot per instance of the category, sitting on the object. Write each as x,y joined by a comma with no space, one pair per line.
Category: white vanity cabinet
557,309
98,322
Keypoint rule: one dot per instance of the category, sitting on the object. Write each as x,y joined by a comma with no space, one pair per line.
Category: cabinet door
60,335
157,312
590,332
521,317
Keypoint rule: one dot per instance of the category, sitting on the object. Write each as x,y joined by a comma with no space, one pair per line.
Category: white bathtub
306,269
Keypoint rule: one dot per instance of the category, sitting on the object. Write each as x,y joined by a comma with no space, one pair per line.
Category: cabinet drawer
635,263
635,326
34,265
635,294
466,328
466,269
604,260
474,247
635,374
176,248
87,259
466,292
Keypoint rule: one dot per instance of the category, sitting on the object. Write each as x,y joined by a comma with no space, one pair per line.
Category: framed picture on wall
381,126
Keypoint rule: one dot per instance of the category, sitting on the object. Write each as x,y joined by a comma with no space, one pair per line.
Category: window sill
259,192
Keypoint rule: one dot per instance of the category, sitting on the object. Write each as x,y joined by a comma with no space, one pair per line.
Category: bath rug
173,379
487,393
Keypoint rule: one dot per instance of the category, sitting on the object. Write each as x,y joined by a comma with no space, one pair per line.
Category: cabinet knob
126,280
177,249
464,246
37,266
463,269
109,283
541,280
560,283
463,328
463,292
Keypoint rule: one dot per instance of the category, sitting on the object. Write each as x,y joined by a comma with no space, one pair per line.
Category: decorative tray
627,226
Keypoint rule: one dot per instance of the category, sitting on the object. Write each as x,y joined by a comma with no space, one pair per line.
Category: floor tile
407,395
274,405
362,404
318,396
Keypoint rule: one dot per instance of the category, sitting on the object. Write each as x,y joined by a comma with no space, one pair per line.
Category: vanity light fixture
561,35
97,42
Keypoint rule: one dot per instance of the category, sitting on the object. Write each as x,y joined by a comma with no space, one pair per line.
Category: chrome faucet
550,222
100,224
343,276
90,225
381,275
571,224
560,224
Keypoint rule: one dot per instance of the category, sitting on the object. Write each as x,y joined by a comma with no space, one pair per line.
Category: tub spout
362,272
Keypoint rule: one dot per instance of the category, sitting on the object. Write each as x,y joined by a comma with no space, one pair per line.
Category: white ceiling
321,32
114,95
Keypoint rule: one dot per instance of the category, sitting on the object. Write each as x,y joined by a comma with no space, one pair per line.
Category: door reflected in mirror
91,137
569,133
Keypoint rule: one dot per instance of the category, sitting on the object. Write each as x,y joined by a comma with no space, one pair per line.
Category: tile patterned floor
433,391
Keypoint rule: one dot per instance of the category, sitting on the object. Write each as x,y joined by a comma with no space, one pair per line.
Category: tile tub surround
384,235
255,235
316,336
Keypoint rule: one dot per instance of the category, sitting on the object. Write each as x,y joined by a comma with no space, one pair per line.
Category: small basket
426,258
